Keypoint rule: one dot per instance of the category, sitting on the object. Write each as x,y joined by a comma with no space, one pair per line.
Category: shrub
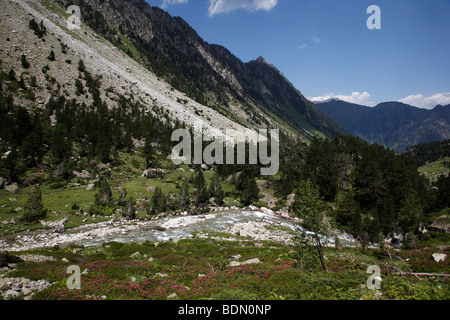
34,207
101,210
129,211
104,195
51,56
24,61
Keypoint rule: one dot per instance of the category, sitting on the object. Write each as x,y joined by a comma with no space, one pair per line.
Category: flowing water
182,227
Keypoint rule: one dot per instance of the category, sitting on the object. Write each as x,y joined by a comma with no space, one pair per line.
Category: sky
326,49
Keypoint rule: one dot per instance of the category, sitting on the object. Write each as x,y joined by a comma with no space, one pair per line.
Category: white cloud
362,98
166,3
420,101
224,6
316,39
303,46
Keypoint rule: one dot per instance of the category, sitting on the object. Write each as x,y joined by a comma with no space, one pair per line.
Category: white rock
11,294
236,257
252,261
439,257
267,211
172,296
135,255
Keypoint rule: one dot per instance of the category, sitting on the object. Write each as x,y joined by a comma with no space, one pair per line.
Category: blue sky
326,50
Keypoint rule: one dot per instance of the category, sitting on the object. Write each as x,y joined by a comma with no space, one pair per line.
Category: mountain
392,124
254,94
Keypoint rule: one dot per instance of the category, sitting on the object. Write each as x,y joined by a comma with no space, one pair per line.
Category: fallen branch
444,275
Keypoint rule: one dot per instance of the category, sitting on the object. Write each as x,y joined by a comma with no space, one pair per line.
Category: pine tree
34,207
42,29
51,56
32,145
21,82
201,195
183,197
158,202
215,190
61,144
79,87
251,192
10,165
33,81
130,209
122,201
25,63
81,66
148,152
104,195
12,74
128,142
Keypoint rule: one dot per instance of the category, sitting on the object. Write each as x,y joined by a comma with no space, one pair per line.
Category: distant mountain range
393,124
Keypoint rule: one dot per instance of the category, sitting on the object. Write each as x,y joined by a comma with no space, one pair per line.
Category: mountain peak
261,59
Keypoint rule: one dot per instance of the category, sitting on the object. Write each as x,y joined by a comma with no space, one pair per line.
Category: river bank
258,224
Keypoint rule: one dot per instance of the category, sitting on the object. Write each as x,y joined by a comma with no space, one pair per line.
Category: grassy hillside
435,169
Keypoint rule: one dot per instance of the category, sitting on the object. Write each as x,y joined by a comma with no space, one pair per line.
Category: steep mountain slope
118,74
254,94
392,124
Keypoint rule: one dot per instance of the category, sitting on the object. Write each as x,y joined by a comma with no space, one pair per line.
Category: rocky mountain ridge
392,124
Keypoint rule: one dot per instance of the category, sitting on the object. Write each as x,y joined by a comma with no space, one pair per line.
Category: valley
88,179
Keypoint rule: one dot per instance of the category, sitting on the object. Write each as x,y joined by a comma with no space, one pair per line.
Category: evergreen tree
12,75
61,144
39,29
122,201
34,207
201,195
251,192
327,179
32,145
81,66
442,194
42,29
130,209
21,82
79,90
410,214
33,81
215,190
158,202
51,56
128,142
104,195
183,197
25,63
148,152
10,165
